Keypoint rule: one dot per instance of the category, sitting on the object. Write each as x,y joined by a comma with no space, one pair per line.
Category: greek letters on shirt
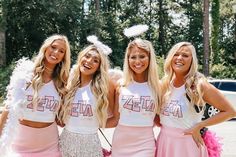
82,108
138,104
46,103
173,108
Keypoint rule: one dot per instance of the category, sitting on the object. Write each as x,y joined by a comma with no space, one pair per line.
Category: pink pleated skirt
133,142
37,142
171,142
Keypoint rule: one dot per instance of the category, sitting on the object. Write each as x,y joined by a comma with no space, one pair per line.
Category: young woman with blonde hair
33,99
86,103
185,92
136,102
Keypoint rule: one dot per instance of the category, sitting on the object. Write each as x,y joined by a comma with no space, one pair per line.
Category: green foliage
222,71
160,62
28,23
215,13
5,73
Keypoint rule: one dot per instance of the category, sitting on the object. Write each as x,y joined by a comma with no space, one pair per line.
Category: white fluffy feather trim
15,100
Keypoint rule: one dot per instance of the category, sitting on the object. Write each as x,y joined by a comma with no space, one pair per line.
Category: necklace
48,70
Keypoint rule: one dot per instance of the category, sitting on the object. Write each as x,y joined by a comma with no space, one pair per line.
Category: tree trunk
161,27
97,6
206,37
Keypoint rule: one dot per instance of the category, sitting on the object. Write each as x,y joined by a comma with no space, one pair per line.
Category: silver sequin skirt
80,145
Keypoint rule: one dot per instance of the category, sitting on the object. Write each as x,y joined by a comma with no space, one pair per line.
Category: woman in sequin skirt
86,104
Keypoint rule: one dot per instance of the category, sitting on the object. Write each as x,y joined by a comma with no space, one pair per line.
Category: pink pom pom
214,147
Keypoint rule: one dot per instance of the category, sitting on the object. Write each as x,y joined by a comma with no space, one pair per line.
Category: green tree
215,14
29,22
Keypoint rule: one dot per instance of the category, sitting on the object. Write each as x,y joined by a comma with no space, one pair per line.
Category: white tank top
136,105
178,112
82,118
48,104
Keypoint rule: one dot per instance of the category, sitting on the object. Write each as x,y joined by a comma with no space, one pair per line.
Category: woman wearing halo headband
86,104
33,98
185,92
137,99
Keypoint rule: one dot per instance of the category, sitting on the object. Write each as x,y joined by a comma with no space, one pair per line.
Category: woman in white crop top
33,99
185,92
86,103
136,102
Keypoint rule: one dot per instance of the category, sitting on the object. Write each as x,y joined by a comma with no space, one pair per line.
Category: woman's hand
157,121
195,132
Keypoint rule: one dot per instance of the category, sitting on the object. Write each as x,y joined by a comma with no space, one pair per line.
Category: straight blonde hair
152,71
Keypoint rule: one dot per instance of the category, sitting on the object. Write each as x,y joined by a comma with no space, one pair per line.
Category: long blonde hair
193,77
60,72
153,78
99,86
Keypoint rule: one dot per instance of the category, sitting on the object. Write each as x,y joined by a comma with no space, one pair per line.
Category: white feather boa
16,98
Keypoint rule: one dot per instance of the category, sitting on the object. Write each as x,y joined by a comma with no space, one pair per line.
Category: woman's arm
113,121
214,97
3,119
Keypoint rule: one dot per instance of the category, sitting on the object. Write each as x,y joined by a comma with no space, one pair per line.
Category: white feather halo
135,30
102,47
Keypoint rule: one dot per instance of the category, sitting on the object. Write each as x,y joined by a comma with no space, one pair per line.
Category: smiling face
55,53
181,61
138,61
90,63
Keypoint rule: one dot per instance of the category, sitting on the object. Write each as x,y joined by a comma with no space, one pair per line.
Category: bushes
222,71
5,73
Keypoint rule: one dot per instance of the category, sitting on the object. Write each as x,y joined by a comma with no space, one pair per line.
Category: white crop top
136,105
48,104
82,117
178,112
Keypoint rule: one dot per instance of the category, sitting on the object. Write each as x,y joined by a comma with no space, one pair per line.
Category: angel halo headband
104,48
135,30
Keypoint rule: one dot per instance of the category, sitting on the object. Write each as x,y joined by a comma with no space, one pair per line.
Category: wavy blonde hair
60,72
193,77
152,71
99,86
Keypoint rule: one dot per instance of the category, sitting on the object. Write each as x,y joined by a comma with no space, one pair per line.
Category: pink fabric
172,142
37,142
213,144
133,142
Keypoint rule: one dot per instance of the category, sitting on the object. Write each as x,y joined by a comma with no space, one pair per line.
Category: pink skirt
133,142
37,142
172,142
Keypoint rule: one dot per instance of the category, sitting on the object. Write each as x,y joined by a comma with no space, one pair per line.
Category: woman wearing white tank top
185,92
86,103
33,99
136,102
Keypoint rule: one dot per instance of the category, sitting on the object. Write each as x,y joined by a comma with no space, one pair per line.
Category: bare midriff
34,124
